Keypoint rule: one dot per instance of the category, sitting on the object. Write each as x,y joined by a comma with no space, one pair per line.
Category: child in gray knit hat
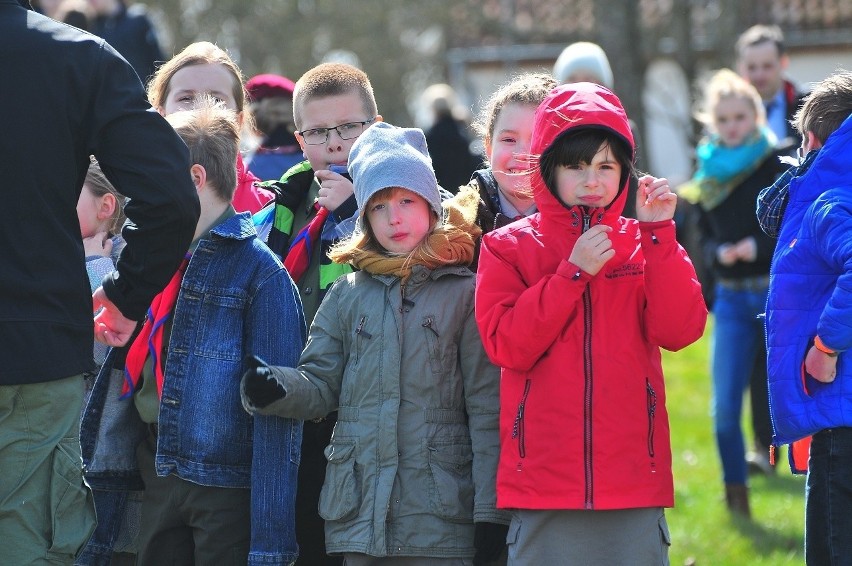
395,349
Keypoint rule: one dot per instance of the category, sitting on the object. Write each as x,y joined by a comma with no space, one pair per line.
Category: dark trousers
310,527
760,420
828,499
184,523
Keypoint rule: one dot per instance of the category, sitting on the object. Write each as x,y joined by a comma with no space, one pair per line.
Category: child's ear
107,206
199,176
378,118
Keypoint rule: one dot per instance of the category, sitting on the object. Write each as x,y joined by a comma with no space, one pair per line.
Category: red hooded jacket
583,422
249,196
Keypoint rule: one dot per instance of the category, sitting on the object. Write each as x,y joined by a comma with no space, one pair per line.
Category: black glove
260,386
489,539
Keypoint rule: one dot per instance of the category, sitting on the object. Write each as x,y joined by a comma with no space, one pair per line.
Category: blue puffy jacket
810,294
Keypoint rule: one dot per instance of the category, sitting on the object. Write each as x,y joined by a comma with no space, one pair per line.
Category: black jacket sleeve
147,161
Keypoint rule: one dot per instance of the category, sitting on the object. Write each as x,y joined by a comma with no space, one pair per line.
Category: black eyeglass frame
326,131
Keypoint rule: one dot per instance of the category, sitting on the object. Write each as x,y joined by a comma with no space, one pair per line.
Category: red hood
570,106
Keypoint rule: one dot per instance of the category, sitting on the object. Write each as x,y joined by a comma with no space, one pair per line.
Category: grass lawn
703,532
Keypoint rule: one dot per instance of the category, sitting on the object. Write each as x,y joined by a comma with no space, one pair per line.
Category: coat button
309,290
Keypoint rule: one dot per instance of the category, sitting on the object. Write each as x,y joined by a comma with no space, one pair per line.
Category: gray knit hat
386,156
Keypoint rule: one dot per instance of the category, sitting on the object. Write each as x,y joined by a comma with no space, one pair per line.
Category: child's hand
259,385
335,189
746,249
593,249
655,200
100,244
727,254
820,365
111,327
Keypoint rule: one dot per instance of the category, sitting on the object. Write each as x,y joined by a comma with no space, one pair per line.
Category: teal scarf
721,169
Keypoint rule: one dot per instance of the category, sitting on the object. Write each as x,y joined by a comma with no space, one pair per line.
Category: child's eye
406,201
575,167
377,207
508,140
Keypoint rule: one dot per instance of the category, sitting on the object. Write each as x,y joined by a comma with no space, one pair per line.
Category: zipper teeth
587,378
587,396
652,411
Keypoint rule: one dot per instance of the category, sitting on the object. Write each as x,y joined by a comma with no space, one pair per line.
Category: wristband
819,345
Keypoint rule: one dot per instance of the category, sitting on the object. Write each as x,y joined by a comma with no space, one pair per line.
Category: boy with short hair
333,103
218,482
810,388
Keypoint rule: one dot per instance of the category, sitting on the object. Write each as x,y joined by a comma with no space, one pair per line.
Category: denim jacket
236,299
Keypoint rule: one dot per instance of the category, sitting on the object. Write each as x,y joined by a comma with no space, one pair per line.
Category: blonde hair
529,88
333,79
724,84
199,53
212,134
97,184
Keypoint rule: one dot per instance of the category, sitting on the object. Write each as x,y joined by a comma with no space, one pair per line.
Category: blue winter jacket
236,299
810,294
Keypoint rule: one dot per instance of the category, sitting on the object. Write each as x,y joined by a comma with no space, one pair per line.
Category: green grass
703,532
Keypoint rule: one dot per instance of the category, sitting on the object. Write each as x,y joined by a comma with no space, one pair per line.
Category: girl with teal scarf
734,162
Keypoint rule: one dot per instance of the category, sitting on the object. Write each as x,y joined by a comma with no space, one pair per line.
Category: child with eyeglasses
315,206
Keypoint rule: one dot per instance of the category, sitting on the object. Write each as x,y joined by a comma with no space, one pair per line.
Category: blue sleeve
832,224
275,331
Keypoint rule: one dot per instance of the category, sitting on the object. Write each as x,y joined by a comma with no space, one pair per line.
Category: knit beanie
584,57
386,156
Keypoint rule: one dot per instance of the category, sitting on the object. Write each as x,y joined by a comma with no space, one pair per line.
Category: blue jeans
828,499
737,339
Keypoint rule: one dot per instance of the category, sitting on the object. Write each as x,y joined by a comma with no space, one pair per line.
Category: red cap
267,85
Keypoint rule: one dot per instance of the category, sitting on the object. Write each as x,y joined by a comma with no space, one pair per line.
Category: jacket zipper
587,380
518,426
651,399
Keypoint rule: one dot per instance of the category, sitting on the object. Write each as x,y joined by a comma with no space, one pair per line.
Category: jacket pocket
651,402
432,344
361,335
450,470
72,507
339,499
518,426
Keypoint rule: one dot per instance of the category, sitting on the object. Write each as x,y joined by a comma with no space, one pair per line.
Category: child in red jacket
574,303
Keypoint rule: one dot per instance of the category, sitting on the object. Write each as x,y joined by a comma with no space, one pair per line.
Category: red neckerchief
299,255
150,338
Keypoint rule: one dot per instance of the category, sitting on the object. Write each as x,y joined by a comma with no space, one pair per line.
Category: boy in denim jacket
219,483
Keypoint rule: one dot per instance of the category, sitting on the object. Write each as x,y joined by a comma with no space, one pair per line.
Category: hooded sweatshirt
583,422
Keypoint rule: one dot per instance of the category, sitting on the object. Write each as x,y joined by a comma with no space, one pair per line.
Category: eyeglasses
347,131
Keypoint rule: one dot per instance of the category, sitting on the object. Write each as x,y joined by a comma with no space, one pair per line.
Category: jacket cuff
276,558
570,271
659,232
492,516
347,209
118,298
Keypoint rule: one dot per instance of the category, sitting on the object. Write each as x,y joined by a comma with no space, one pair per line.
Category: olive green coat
412,461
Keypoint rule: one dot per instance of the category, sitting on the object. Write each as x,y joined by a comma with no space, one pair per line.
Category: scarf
300,251
722,169
150,337
451,243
